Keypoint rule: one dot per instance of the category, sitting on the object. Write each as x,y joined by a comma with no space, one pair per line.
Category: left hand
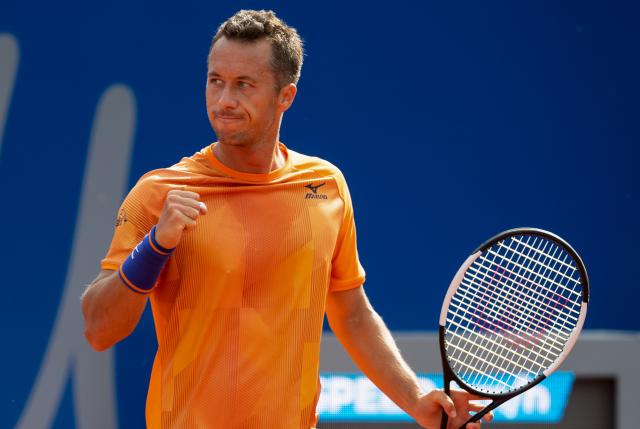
428,409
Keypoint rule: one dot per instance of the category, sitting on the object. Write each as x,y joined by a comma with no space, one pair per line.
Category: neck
259,158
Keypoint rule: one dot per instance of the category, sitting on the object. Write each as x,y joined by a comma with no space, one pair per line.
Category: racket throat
476,417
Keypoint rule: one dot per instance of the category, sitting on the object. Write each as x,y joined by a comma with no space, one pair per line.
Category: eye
215,81
243,84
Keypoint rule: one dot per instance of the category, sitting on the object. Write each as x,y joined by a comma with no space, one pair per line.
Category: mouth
227,118
224,120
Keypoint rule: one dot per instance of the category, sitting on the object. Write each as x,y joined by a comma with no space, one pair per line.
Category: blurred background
451,121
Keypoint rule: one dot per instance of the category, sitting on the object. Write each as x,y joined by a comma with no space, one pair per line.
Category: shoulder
185,172
322,169
189,171
316,164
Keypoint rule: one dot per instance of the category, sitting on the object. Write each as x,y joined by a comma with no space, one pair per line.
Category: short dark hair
286,46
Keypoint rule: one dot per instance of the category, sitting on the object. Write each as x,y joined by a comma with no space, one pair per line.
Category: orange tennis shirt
239,307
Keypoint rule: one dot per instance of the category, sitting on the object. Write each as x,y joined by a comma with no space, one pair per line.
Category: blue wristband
140,271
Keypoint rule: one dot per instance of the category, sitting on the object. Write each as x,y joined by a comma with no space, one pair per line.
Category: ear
285,96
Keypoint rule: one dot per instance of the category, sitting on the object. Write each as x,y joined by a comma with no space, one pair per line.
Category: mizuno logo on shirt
314,192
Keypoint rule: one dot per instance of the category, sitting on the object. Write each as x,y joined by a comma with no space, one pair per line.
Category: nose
227,99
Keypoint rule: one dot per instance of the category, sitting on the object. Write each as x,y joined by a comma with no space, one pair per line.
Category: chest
259,226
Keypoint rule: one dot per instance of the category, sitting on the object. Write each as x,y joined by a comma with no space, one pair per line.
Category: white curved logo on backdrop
105,181
8,67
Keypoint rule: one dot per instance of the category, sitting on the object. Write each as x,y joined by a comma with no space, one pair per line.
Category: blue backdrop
450,121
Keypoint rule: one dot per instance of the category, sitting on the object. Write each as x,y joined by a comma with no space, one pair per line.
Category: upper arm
347,306
346,270
138,212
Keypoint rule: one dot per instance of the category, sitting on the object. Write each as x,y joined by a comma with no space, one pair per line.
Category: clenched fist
181,210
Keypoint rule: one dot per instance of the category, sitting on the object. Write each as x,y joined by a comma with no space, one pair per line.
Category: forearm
111,311
371,346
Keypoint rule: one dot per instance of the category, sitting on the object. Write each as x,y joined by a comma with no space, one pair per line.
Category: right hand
428,410
181,210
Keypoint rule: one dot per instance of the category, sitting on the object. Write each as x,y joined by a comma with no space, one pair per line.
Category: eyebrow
249,78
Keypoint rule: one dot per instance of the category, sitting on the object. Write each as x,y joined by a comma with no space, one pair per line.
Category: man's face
243,103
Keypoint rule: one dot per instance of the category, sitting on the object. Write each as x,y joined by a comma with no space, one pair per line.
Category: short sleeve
136,216
346,270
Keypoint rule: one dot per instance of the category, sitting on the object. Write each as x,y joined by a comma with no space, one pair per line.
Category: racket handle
447,390
444,421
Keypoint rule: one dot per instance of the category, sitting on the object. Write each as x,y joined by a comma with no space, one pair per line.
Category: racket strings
554,283
513,313
513,339
527,310
508,349
511,291
481,276
537,251
515,299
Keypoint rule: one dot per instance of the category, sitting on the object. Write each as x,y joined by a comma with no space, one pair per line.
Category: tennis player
242,248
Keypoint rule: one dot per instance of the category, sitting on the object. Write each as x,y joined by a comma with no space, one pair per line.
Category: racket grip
444,421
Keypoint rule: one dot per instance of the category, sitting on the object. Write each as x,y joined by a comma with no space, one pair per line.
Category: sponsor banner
353,397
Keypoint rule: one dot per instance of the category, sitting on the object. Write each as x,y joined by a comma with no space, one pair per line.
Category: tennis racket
511,315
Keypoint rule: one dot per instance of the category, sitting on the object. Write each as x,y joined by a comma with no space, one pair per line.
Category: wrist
162,239
414,403
159,245
141,270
